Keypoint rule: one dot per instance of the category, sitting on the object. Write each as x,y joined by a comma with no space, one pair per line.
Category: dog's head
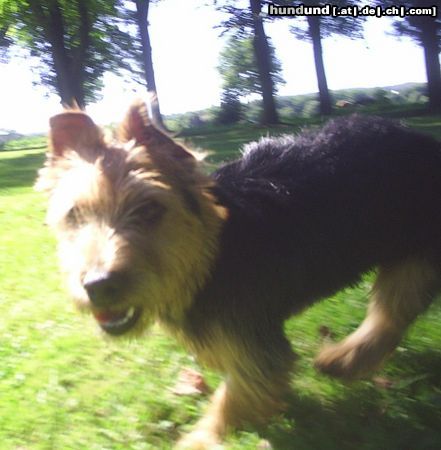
136,225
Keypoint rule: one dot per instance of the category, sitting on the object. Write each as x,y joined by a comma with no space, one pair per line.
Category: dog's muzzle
105,290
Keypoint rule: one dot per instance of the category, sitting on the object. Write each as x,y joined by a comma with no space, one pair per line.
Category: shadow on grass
352,424
20,171
404,417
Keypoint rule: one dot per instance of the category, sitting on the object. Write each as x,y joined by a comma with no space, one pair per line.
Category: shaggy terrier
222,261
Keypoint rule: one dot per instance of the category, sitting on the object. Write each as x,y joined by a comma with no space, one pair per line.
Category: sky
185,54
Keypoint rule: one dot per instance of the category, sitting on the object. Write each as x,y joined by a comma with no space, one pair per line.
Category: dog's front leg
210,429
254,390
234,405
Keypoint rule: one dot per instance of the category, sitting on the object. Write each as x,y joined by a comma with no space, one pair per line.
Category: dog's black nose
102,287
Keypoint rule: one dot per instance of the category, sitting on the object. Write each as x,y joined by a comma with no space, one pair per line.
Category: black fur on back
309,214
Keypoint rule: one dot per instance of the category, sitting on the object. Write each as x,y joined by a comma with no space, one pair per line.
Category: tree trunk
69,71
429,40
262,53
324,96
79,55
69,89
142,10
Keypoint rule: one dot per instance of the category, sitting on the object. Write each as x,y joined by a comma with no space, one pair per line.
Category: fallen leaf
325,332
190,382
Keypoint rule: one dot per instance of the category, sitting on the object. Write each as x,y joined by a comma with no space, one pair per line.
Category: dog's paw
199,440
340,361
358,355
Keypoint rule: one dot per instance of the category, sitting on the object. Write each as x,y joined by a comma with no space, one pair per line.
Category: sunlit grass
63,386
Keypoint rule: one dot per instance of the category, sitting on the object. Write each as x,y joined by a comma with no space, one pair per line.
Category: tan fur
400,293
97,189
140,207
104,185
249,395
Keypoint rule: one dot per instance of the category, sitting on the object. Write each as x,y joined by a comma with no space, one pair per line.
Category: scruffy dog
222,261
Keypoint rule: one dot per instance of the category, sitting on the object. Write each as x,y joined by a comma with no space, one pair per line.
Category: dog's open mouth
117,322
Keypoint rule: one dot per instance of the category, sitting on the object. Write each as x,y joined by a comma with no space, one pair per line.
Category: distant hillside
306,105
8,135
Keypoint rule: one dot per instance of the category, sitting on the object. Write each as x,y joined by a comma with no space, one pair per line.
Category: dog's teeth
117,323
130,313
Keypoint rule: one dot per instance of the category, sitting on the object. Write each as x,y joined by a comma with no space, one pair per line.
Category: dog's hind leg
400,293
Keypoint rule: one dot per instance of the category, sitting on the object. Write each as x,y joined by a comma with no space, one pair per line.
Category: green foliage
239,18
90,36
381,96
412,26
245,21
238,67
394,101
241,78
230,108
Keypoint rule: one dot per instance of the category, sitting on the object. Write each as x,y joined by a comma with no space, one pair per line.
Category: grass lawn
63,386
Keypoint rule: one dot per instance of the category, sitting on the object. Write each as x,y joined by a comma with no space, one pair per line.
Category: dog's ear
137,126
74,130
135,123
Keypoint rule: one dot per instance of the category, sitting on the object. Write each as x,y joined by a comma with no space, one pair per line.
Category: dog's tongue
109,316
117,322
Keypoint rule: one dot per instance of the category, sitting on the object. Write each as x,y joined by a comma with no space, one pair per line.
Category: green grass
63,386
223,142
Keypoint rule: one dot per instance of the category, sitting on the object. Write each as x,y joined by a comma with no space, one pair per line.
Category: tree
76,42
247,21
230,108
315,33
240,73
426,31
142,11
263,60
319,27
239,69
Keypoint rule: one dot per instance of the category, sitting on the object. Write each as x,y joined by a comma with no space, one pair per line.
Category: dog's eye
149,212
73,217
